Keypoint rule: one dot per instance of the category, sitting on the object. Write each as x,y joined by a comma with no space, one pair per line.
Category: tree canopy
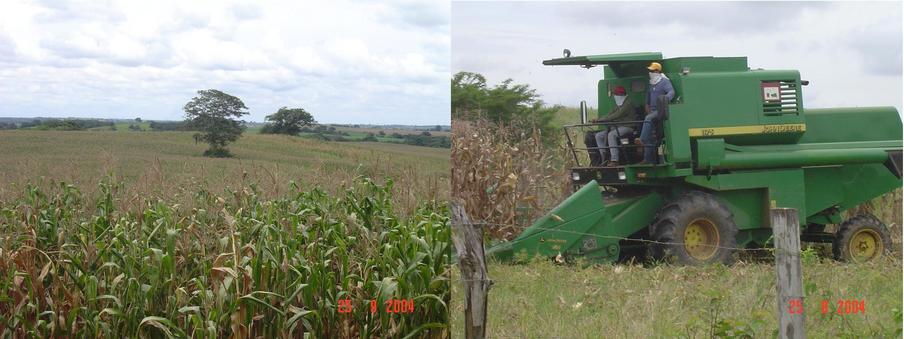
288,121
469,91
506,103
212,113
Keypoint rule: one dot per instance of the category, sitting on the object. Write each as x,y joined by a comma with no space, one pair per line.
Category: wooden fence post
468,240
789,279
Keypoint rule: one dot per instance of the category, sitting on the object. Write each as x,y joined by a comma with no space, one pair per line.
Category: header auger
729,145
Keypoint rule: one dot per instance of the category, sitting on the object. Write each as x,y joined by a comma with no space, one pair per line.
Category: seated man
659,85
607,139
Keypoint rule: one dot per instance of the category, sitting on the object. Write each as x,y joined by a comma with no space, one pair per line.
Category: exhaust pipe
583,112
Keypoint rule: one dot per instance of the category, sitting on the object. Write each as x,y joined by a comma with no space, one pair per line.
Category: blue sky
850,52
383,62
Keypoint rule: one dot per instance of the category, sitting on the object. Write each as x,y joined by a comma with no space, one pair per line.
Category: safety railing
622,145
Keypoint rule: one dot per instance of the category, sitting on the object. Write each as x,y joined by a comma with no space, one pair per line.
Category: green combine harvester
733,143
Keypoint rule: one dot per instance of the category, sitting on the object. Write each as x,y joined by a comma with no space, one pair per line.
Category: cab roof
604,59
635,64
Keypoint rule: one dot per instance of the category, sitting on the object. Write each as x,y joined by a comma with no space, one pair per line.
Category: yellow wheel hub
701,239
866,244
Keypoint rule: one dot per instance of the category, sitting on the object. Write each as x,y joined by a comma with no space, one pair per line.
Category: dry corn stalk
506,176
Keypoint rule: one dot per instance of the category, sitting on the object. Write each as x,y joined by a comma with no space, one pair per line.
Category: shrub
218,153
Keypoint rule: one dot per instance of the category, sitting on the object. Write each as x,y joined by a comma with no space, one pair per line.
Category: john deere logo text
741,130
783,128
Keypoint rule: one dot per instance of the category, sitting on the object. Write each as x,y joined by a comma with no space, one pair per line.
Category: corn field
234,265
505,175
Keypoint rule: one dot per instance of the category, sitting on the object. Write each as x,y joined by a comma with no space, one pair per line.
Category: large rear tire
696,229
861,238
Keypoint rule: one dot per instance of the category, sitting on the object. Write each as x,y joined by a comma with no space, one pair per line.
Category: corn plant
504,176
234,264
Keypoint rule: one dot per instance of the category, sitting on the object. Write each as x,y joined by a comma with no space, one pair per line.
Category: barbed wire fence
787,252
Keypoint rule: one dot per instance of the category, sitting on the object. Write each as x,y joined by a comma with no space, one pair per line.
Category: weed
737,301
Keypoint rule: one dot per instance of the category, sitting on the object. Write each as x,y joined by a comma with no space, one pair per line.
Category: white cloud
344,61
851,52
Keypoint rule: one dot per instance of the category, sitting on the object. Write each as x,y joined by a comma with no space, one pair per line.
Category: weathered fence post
468,240
789,279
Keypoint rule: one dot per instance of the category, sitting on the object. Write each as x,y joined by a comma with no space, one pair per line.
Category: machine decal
752,129
771,91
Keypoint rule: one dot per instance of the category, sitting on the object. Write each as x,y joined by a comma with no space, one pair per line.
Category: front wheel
696,229
861,238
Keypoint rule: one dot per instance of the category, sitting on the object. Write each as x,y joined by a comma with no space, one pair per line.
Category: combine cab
734,142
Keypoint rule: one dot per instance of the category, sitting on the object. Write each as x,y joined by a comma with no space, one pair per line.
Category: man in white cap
659,85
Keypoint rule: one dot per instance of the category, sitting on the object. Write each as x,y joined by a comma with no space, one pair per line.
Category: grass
545,300
161,161
235,264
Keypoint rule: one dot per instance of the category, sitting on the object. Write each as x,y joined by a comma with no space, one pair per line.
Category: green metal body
740,134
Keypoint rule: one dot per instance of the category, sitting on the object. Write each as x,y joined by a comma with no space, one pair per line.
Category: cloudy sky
850,52
367,62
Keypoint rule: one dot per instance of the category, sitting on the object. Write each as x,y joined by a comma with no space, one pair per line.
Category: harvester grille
788,101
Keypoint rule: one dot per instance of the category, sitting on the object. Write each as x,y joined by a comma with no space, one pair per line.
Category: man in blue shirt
659,85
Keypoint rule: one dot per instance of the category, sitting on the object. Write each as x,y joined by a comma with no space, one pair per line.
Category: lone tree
212,113
288,121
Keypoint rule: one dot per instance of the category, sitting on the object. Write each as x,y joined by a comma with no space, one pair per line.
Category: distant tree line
84,124
425,139
65,124
323,129
330,133
436,128
327,133
171,126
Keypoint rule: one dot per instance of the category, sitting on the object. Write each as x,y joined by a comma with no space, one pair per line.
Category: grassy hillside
544,300
161,161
